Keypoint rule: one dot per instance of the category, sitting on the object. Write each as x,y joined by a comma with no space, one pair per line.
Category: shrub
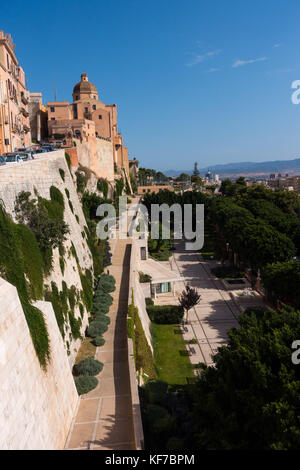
102,319
62,174
85,383
71,206
149,301
32,260
99,341
101,297
87,286
68,160
67,193
75,324
77,218
12,266
144,277
45,219
100,309
96,328
56,196
81,310
102,185
88,366
165,314
107,283
81,181
227,271
62,264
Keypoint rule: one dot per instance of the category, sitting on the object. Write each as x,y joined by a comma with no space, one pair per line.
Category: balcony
24,99
24,112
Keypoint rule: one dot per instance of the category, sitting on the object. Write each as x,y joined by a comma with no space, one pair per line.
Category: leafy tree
251,398
282,281
183,177
50,232
188,299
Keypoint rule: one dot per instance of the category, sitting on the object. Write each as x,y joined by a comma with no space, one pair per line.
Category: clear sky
194,80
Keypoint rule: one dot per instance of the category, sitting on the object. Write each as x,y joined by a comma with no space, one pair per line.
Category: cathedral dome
84,87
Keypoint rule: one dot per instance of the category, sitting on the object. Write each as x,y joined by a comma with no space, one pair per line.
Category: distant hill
247,168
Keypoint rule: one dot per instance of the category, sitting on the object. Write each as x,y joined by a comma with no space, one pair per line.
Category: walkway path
209,321
104,417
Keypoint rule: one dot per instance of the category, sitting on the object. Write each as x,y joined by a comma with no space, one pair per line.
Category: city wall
39,175
97,154
36,407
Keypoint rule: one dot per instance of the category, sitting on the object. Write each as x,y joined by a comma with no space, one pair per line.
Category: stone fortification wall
40,174
97,154
36,407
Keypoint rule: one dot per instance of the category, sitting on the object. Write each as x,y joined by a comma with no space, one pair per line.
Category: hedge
107,283
88,366
165,314
99,341
101,318
85,383
96,328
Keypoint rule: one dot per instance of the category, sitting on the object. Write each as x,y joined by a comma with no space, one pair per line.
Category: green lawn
171,366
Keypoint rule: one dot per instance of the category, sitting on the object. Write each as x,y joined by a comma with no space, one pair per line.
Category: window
52,109
94,97
144,190
52,119
86,110
100,116
94,106
76,97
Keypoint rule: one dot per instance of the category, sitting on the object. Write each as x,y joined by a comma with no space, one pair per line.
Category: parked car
2,161
14,158
25,156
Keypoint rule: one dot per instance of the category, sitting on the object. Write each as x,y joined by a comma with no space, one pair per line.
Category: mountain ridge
247,168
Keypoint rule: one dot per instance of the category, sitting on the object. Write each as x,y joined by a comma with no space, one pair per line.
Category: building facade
88,117
14,99
37,117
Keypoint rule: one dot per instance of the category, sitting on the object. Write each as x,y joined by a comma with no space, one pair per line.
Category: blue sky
194,80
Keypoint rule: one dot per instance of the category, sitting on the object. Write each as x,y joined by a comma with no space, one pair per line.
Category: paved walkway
104,417
209,321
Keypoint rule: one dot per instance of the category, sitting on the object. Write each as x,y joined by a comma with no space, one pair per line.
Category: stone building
88,118
38,117
14,116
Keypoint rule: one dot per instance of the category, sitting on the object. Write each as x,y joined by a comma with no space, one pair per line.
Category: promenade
104,417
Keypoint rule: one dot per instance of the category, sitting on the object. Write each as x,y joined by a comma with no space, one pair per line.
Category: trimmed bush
99,341
96,328
102,298
149,301
107,283
88,366
165,314
102,319
85,383
227,271
100,309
